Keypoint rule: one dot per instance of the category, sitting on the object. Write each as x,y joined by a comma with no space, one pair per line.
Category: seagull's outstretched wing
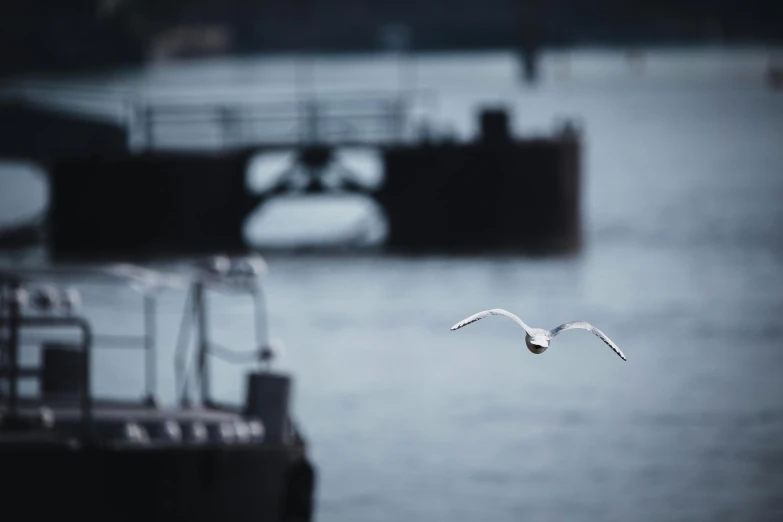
495,311
590,328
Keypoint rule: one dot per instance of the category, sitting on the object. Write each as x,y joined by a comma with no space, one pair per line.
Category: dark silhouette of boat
68,452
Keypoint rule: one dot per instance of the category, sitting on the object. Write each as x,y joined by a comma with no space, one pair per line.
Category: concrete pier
497,193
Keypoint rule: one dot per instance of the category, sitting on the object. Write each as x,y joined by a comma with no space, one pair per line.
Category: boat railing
13,320
26,304
239,277
53,309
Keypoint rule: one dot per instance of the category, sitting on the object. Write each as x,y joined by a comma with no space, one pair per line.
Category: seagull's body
537,339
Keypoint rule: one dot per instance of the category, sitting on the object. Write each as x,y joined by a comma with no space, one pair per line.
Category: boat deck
118,422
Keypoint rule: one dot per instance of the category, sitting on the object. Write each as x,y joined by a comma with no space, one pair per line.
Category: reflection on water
682,268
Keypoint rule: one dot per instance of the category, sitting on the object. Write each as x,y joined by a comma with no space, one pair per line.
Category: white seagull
537,339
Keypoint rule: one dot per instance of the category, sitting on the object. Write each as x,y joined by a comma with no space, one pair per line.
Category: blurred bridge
169,176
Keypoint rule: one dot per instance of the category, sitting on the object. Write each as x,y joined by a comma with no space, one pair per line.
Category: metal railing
361,118
195,319
221,120
12,321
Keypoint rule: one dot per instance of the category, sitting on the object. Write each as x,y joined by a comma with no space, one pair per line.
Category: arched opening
332,219
24,198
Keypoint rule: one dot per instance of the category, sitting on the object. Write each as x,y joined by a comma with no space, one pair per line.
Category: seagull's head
536,344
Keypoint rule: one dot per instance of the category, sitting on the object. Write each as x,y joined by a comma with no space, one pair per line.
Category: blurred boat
68,452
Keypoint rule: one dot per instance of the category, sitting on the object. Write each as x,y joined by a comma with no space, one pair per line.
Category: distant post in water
528,38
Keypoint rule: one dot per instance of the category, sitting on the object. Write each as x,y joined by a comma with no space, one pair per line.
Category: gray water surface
683,268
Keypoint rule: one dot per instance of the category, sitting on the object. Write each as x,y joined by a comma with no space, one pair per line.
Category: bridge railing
225,119
368,118
104,103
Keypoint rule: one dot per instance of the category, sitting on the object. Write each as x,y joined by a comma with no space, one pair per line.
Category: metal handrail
15,322
146,342
315,115
197,319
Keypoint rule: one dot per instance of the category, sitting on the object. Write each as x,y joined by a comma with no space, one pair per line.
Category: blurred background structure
613,162
46,35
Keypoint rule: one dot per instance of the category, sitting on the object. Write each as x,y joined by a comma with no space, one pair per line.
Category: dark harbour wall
154,204
518,197
495,193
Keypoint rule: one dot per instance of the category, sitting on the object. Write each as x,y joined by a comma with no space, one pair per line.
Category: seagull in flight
537,339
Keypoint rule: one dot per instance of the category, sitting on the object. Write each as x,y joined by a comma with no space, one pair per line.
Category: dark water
683,268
